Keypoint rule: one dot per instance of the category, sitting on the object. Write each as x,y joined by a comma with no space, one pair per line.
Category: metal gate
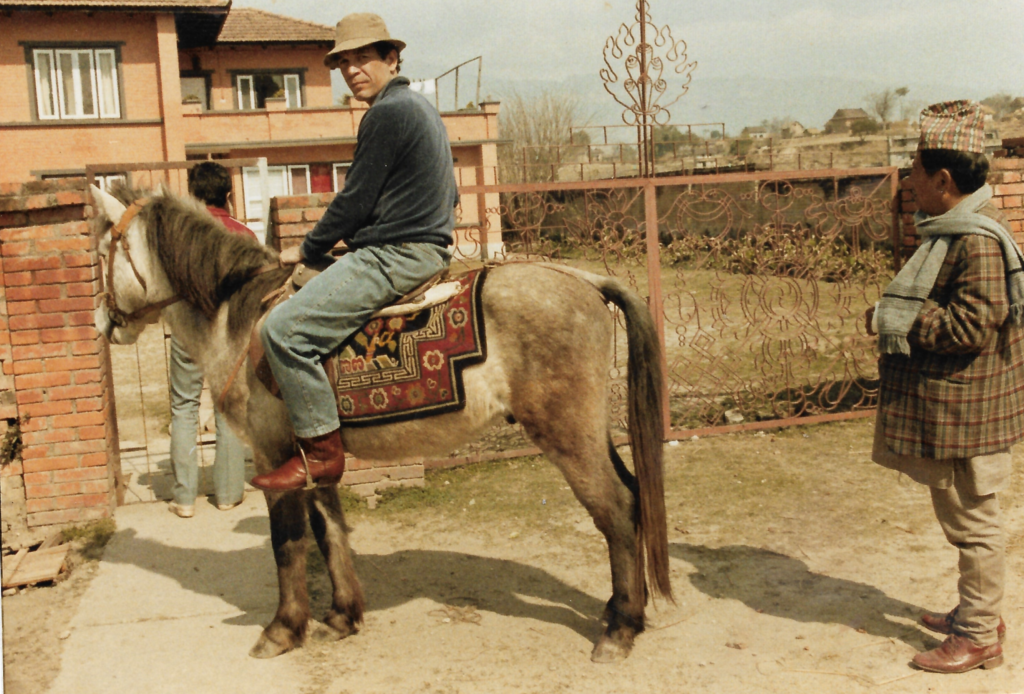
140,372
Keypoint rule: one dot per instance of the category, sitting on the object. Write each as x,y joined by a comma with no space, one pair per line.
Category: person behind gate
396,214
210,182
951,400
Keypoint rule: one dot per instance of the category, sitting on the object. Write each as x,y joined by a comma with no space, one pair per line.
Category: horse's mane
205,263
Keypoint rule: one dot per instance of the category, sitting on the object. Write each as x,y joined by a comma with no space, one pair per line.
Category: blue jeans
300,332
186,381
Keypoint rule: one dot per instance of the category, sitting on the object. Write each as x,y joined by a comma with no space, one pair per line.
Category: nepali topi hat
958,125
357,30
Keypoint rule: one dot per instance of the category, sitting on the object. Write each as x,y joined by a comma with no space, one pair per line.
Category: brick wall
55,364
1006,176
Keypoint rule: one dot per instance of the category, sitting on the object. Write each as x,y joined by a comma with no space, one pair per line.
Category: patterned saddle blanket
407,366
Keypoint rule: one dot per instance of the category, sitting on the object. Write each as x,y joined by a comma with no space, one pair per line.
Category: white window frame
253,201
43,94
54,99
291,172
106,182
342,166
252,92
293,90
77,84
115,91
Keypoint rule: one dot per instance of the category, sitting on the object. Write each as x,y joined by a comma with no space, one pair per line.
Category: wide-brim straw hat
360,29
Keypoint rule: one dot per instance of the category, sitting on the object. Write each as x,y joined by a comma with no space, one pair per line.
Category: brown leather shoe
958,654
324,457
943,624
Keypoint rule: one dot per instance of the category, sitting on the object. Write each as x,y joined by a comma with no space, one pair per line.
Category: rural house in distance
844,118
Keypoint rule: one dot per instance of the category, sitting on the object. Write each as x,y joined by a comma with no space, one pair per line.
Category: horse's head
135,290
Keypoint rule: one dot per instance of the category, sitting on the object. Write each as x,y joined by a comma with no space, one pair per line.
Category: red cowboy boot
321,460
943,624
958,654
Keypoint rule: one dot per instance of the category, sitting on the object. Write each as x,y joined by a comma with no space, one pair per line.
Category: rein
117,236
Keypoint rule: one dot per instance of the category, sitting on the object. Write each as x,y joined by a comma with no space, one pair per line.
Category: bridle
119,318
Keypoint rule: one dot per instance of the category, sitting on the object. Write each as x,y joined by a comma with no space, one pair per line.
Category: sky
756,59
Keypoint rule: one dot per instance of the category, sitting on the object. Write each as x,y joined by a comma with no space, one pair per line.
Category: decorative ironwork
648,51
763,280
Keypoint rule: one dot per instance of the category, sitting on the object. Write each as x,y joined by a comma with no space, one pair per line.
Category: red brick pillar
293,216
1007,180
63,395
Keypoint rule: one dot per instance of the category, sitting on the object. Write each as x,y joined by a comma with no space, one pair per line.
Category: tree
538,129
667,139
864,127
1003,105
882,103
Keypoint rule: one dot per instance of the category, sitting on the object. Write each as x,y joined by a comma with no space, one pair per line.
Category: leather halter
118,317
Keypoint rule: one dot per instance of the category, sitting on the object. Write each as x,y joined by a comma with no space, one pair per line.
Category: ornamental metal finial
648,52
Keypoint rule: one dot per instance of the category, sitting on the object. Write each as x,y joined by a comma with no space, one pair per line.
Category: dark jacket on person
401,185
960,393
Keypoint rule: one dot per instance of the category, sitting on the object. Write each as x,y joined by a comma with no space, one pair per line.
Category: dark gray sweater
401,186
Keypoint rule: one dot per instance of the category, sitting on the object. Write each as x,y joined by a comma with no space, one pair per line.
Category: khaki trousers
964,497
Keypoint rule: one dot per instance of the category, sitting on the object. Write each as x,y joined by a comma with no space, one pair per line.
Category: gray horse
549,341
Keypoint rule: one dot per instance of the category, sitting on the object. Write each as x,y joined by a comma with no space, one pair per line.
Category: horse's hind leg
328,522
579,447
288,537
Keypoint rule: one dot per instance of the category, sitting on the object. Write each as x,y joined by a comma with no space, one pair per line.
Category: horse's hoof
267,648
341,624
608,650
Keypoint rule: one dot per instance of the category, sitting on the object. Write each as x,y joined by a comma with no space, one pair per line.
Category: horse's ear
110,205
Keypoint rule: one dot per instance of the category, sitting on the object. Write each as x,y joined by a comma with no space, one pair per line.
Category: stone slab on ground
175,606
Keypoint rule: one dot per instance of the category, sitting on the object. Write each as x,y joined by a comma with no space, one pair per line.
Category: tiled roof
249,25
115,4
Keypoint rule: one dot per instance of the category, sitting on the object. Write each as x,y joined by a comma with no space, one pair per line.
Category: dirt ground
798,567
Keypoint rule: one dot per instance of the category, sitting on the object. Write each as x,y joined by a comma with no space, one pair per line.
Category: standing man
951,399
211,183
396,214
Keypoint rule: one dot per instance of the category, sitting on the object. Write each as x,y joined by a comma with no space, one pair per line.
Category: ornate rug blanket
405,367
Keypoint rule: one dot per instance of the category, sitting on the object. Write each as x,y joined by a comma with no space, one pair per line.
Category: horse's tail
646,429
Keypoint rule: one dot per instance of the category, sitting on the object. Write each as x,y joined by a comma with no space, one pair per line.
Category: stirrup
305,465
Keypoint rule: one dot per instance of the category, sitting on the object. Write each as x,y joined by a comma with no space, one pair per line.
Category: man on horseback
396,214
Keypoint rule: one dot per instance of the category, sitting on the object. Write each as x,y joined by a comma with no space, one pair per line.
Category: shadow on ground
246,579
779,585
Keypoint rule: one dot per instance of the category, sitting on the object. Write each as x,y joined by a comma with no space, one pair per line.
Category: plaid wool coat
960,393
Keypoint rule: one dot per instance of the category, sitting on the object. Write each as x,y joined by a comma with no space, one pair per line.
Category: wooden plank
10,565
51,541
41,565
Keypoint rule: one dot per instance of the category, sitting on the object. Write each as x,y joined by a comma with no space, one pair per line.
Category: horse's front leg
288,537
328,522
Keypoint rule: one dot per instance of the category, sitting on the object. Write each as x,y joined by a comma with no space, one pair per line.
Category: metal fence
758,283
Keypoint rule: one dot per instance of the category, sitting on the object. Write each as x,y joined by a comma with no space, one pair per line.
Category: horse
549,336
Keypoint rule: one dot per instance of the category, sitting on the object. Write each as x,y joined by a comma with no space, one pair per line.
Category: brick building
129,81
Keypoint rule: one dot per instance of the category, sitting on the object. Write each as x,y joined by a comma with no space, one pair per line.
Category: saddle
431,293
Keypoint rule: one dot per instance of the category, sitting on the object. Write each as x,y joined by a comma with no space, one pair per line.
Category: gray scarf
903,299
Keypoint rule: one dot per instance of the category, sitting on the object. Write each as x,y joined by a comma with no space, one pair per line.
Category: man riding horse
396,214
